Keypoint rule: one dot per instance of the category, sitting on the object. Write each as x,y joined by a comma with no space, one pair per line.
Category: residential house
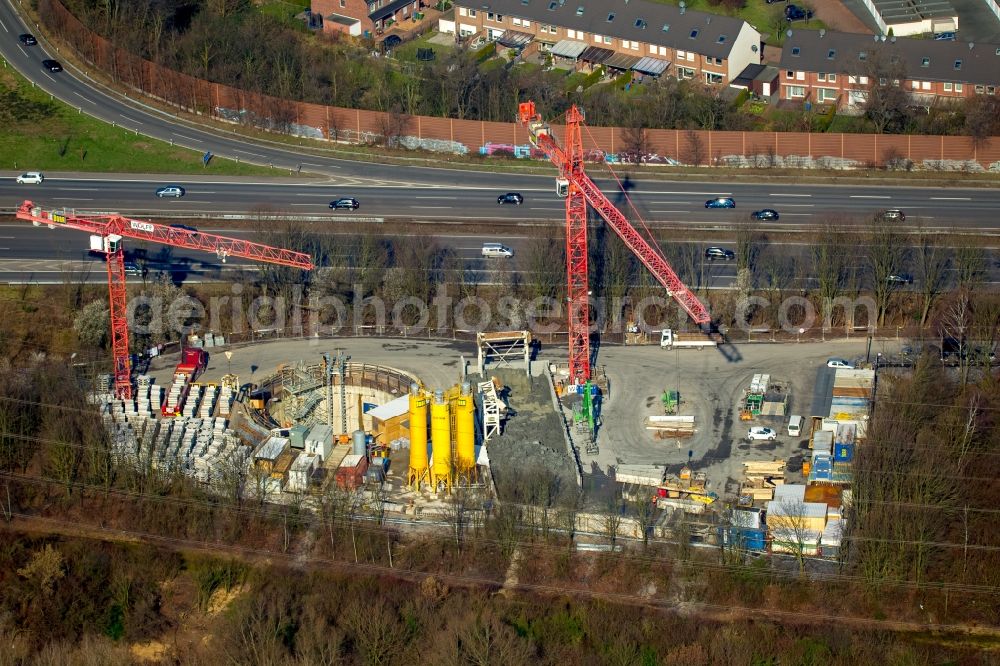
650,39
837,67
364,18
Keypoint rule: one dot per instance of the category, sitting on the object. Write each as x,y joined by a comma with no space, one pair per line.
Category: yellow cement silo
464,408
441,441
418,438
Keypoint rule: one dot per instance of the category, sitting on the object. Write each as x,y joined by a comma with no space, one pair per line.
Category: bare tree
932,265
789,530
612,519
886,101
830,261
749,243
970,264
954,323
886,248
695,150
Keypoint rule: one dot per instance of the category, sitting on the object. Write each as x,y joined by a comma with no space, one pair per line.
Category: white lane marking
668,203
799,206
22,50
131,120
868,196
951,198
187,138
669,211
247,152
312,194
797,214
50,77
320,166
4,27
294,204
789,195
697,194
69,199
200,192
430,207
84,98
78,189
437,197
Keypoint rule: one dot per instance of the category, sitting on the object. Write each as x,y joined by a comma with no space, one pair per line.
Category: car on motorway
52,65
892,214
175,191
761,433
184,227
900,278
132,268
345,203
510,198
721,202
713,253
496,251
839,363
27,39
796,13
31,177
765,214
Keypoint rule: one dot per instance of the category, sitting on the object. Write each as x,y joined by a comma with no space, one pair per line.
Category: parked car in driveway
175,191
510,198
839,363
762,433
796,13
27,39
713,253
765,214
30,177
944,36
345,203
52,65
721,202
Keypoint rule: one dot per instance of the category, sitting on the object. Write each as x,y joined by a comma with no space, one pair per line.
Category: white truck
670,339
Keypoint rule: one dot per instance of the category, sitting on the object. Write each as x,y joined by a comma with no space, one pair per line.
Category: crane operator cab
562,187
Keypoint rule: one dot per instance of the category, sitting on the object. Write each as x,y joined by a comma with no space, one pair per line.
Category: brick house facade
826,67
662,39
363,18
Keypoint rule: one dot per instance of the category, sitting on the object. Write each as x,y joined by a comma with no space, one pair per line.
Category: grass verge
42,133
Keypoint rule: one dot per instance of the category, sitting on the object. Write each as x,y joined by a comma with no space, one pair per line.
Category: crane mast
112,229
579,190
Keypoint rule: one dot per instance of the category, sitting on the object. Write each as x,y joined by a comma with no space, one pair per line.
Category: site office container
351,473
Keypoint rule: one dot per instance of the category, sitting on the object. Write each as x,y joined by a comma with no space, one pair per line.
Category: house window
571,34
516,21
821,77
979,90
925,62
826,95
472,13
789,74
462,11
916,85
991,90
597,38
607,40
579,11
682,55
882,81
796,91
685,73
864,80
796,51
722,39
652,49
947,86
640,23
958,64
490,16
852,79
663,50
611,17
526,23
694,33
862,56
711,78
800,76
499,18
831,54
958,87
832,78
343,4
713,61
925,85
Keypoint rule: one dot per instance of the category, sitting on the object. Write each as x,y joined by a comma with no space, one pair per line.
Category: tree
789,529
886,248
695,151
886,101
44,569
92,323
982,119
954,323
830,261
932,265
970,265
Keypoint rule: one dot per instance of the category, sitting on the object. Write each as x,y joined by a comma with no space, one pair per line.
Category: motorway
390,191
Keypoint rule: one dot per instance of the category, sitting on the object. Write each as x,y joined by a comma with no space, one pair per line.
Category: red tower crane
113,228
579,190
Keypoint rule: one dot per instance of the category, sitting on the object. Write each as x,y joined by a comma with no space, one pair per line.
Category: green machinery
585,417
671,401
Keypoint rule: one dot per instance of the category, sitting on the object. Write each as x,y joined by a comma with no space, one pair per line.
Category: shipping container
297,436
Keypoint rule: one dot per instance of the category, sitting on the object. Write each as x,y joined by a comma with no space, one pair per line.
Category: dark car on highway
892,214
713,253
345,203
721,202
765,214
27,39
510,198
52,65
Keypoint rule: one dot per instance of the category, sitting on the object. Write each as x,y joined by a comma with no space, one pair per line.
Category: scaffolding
502,347
490,405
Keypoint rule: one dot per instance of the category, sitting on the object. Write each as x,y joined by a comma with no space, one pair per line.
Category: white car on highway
759,432
31,177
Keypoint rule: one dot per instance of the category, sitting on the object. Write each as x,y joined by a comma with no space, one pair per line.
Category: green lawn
284,9
408,51
40,133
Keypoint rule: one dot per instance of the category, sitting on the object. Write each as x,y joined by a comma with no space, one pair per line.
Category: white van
794,425
497,250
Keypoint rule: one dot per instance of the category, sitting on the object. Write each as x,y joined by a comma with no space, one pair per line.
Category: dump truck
671,339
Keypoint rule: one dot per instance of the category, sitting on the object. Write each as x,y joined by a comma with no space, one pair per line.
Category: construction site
716,440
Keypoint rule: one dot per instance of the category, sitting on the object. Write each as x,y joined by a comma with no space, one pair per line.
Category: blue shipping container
843,452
